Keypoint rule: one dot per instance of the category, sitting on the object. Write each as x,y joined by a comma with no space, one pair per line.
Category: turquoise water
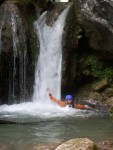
52,124
98,128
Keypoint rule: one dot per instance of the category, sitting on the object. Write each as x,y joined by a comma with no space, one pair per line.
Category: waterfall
1,26
13,57
19,52
15,45
48,69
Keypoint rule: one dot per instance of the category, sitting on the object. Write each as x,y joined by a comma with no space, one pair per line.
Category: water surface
52,124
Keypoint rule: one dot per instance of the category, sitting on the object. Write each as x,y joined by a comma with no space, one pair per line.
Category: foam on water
39,110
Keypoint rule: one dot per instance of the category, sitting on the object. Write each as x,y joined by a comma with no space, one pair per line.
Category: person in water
67,102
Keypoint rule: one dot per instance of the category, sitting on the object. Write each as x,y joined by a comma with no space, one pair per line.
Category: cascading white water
15,45
13,50
19,51
1,26
48,70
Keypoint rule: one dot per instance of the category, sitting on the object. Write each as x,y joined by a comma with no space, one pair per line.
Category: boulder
77,144
108,92
109,101
101,85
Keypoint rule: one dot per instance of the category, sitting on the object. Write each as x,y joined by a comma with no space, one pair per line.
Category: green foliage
108,72
78,32
98,68
111,112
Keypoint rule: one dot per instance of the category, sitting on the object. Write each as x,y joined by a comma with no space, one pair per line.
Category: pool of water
52,126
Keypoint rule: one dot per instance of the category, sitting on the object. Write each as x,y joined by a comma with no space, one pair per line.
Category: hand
48,91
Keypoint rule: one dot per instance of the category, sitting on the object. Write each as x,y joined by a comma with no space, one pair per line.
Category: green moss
98,68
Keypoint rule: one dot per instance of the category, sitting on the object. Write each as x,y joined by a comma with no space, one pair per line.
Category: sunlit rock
101,85
77,144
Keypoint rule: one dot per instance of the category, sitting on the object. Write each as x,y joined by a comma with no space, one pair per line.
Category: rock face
77,144
15,55
69,47
54,12
95,18
89,30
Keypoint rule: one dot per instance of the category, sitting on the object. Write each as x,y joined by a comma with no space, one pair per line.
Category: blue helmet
68,97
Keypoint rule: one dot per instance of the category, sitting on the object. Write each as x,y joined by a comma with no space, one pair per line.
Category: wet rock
77,144
16,49
69,47
53,14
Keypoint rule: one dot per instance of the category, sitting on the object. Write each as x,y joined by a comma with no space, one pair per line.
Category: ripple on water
33,112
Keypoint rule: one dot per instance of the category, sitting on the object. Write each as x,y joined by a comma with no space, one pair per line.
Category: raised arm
51,96
53,99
